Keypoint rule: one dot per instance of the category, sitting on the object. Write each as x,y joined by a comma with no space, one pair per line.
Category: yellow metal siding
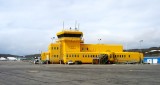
126,57
84,57
101,48
44,56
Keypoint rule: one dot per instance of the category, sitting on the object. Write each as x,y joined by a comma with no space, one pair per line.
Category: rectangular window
110,56
57,48
85,55
129,56
67,55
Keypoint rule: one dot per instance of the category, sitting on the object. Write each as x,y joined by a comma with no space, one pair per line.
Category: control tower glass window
70,35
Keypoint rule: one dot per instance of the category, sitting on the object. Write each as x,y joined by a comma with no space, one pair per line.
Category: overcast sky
26,26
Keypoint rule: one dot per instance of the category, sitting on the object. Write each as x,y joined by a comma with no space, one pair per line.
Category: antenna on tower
75,25
78,26
63,25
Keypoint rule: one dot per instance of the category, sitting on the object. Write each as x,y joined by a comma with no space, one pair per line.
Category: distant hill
32,56
153,51
29,57
9,55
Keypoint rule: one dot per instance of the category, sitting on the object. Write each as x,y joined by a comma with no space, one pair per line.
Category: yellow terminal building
70,47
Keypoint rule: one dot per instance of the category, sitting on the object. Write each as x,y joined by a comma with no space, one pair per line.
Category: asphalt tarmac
25,73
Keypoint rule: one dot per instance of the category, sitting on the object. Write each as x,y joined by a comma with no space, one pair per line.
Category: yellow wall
54,50
44,56
126,57
84,57
101,48
72,45
117,57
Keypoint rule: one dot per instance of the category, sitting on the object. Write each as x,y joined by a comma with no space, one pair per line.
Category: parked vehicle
70,62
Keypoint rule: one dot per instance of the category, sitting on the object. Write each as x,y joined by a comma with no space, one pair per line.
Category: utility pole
141,41
52,39
99,50
140,50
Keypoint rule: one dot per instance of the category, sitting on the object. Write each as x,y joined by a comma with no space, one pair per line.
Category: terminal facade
70,47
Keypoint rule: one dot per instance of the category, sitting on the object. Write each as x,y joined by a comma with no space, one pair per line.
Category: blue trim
150,59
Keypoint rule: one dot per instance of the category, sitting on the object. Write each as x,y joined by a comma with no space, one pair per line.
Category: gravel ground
25,73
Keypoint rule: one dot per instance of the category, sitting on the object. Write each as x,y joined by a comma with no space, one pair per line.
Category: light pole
99,41
52,39
141,41
140,50
126,44
99,49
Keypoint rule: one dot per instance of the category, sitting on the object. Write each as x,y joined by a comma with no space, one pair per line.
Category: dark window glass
69,35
